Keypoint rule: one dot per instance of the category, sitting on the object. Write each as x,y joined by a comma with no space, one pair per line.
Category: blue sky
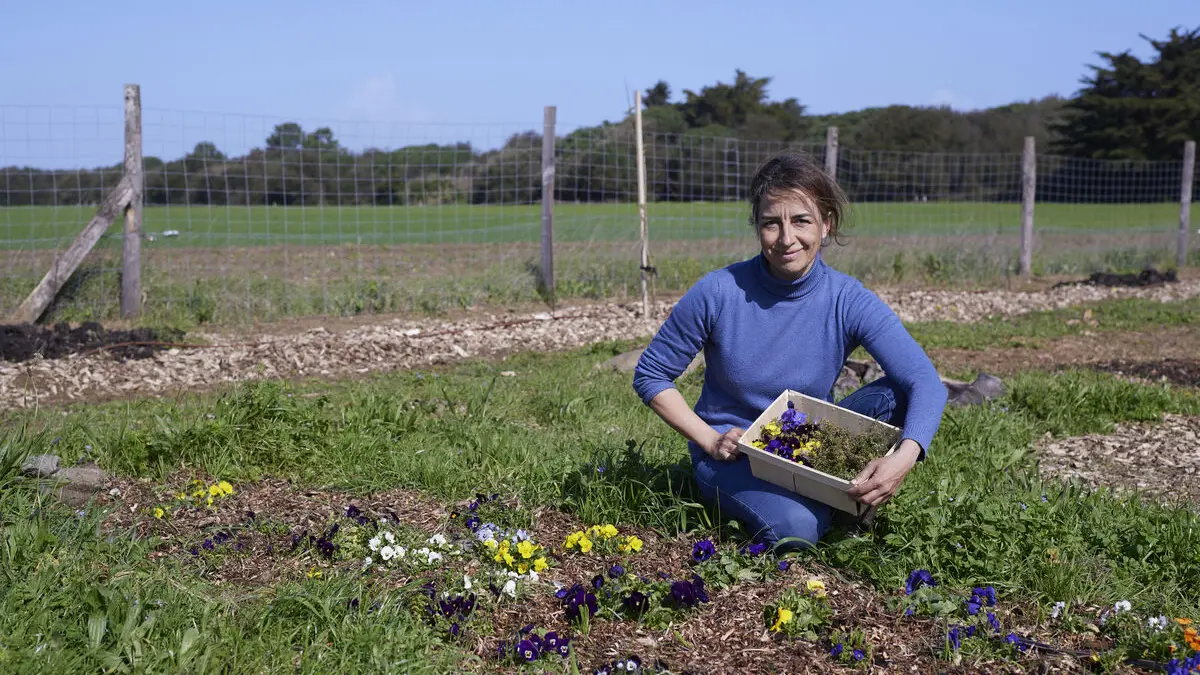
394,73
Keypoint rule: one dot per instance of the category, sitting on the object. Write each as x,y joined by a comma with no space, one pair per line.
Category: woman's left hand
881,478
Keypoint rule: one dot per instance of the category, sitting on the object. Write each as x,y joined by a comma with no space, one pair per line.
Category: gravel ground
1161,460
403,344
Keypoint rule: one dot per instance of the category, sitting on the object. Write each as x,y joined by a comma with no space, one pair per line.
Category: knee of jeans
796,528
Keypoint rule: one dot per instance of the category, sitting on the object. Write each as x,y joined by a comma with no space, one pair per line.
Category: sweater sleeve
879,330
681,337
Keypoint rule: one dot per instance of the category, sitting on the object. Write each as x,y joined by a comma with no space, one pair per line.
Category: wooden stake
831,152
1028,187
548,120
1185,203
131,262
641,167
64,266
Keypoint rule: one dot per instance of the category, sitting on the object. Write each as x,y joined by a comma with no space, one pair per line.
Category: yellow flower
585,544
226,488
817,587
525,548
783,616
158,512
573,540
539,565
632,543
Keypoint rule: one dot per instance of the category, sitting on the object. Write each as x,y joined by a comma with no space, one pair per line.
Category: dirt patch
1180,372
1160,460
1174,344
23,342
1147,277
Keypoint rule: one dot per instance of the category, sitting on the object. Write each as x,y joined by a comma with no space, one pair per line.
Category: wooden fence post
131,262
548,115
1185,203
831,152
644,230
1028,188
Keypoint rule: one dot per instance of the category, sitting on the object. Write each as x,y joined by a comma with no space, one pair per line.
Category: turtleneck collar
789,289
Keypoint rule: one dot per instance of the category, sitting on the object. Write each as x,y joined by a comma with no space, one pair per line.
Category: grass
974,513
1034,328
451,224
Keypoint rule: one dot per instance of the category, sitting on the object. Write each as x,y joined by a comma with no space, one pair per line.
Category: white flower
390,537
1122,606
466,582
374,543
1058,608
510,588
438,540
387,552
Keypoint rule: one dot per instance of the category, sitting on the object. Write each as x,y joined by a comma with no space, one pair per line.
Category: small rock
88,476
39,466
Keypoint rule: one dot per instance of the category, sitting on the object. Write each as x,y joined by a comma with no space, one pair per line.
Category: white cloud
378,98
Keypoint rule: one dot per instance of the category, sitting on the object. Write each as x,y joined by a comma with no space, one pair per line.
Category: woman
785,320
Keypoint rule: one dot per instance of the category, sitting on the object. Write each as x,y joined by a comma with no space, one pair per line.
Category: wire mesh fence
251,218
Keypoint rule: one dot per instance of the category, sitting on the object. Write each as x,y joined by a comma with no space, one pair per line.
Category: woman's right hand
724,447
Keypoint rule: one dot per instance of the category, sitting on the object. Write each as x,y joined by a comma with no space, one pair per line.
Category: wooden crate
802,479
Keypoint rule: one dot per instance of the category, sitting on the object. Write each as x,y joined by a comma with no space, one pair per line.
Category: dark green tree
287,136
1130,109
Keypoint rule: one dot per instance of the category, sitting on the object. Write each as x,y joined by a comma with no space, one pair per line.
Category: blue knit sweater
761,335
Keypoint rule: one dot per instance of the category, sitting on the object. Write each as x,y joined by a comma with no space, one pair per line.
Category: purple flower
757,549
836,651
616,571
703,550
636,603
1015,641
917,579
527,650
859,655
993,621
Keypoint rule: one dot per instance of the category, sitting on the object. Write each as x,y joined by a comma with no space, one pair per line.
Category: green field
43,227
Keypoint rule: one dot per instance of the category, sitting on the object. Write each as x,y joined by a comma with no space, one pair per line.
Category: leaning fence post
1028,185
1185,203
548,116
131,262
831,151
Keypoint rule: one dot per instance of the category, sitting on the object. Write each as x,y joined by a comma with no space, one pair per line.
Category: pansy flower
917,579
703,550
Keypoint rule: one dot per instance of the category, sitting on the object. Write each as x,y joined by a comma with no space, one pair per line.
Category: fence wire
250,218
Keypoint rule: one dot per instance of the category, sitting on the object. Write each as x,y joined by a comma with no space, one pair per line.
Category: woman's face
790,231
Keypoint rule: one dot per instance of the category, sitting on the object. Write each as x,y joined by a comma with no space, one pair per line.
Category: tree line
706,145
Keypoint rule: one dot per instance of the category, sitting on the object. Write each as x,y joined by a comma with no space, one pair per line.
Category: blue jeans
773,513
